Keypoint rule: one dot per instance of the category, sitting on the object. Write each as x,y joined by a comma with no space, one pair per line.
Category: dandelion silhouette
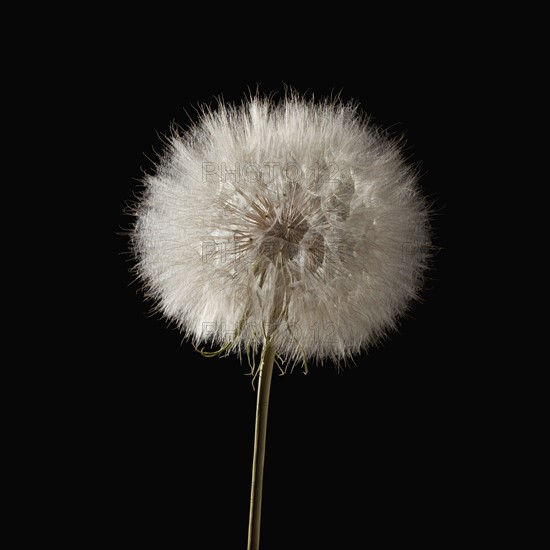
266,219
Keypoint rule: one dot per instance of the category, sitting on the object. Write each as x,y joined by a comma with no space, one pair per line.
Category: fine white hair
297,219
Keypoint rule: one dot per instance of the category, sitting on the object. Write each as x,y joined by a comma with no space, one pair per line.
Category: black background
379,451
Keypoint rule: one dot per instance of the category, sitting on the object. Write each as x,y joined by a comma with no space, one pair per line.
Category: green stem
262,406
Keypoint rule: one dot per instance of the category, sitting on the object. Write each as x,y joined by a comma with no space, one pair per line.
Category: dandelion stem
262,406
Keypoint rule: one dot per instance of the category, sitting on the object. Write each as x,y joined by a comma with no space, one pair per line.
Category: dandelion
294,228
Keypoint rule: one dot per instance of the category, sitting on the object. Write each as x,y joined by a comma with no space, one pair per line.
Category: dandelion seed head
296,218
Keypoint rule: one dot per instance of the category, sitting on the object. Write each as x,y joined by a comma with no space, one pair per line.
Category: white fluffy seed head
297,219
